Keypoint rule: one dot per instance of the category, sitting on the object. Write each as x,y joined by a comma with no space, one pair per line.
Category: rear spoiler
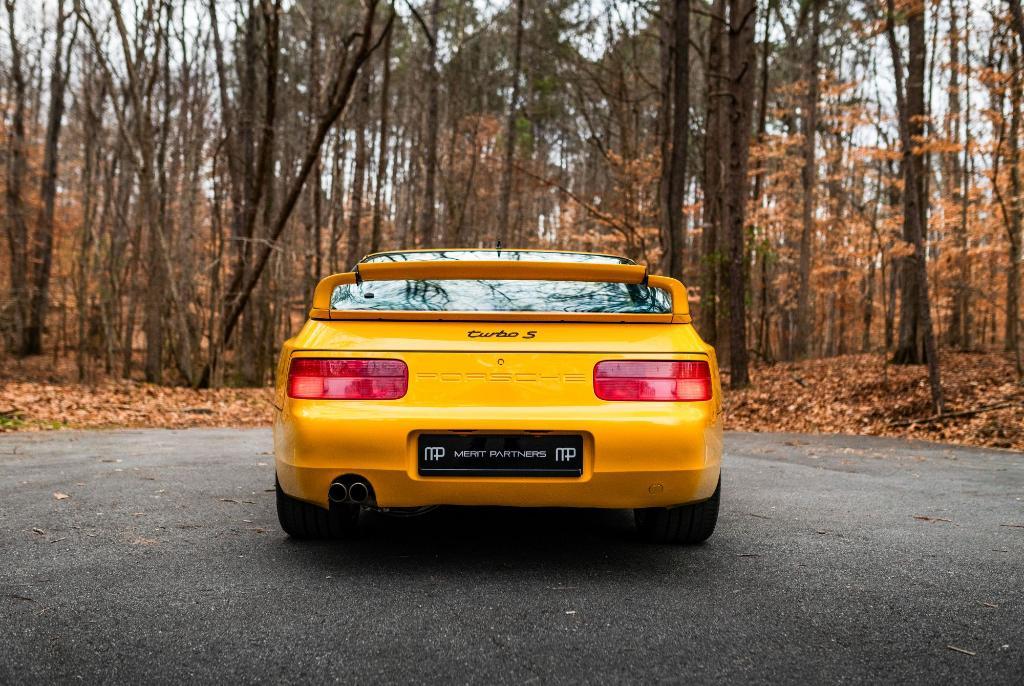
495,270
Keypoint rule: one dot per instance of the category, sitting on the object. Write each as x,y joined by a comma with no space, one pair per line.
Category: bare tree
505,199
808,179
17,227
349,63
739,114
715,151
915,319
42,245
382,147
679,131
355,219
428,210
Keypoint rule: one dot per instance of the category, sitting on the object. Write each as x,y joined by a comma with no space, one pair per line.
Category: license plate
500,455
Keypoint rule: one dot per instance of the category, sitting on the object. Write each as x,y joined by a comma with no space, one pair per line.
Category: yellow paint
636,454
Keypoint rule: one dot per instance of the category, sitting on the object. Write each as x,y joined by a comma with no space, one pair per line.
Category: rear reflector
652,380
351,379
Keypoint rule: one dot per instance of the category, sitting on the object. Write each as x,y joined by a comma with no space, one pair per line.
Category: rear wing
503,270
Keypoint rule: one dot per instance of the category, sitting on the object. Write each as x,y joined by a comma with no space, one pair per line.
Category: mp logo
564,454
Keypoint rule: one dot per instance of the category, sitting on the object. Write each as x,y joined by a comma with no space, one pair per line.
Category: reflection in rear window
502,296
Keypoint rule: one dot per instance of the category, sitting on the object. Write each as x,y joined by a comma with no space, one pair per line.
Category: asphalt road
166,564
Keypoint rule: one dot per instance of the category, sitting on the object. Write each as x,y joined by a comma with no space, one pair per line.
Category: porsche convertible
520,378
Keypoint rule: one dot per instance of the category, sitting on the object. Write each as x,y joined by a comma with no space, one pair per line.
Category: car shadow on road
509,540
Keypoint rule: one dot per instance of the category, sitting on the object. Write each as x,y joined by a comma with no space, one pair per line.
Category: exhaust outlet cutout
337,493
358,492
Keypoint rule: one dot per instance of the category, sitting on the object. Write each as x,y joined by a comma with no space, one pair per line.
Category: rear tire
303,520
687,524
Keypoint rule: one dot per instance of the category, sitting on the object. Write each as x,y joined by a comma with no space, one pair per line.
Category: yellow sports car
498,377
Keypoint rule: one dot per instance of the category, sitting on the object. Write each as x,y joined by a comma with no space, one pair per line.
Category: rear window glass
502,296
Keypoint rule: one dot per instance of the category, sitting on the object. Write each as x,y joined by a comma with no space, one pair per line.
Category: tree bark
355,219
715,142
741,73
911,346
1013,226
17,227
382,147
505,199
42,246
680,137
951,176
428,212
916,321
808,180
665,61
762,100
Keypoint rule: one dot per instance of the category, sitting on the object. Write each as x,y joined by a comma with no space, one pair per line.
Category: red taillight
352,379
652,380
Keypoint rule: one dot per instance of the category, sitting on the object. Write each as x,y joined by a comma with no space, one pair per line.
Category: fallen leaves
57,495
925,518
117,403
862,394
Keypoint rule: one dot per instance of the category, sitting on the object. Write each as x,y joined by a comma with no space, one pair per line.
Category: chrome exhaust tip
338,492
358,492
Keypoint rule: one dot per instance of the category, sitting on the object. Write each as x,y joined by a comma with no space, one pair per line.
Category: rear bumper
640,455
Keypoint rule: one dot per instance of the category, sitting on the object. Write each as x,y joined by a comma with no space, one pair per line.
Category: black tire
300,519
688,524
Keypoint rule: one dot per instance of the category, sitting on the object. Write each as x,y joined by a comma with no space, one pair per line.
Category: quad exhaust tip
358,492
338,492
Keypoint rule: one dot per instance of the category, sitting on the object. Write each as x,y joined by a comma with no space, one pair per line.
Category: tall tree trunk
1013,225
762,99
505,198
428,212
808,180
355,218
665,61
382,147
910,346
965,179
951,176
910,108
42,246
315,189
680,137
741,74
715,141
1013,228
17,227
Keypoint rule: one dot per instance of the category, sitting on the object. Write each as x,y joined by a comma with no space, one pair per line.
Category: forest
827,178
